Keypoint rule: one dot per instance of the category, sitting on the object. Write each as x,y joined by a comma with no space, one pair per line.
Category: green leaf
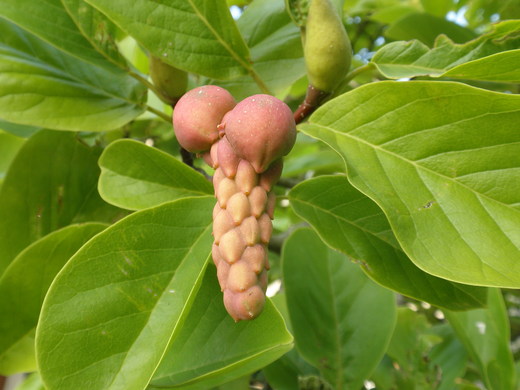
352,223
23,287
276,49
32,382
135,176
50,21
443,162
450,355
9,146
197,36
18,130
411,59
485,334
498,67
41,193
225,350
43,86
123,297
97,29
426,28
342,321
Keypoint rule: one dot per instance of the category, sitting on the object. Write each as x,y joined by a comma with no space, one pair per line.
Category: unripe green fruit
327,49
171,83
197,115
260,129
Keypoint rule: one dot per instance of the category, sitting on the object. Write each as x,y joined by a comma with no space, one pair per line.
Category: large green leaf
342,321
111,312
485,334
476,59
23,286
225,350
51,182
426,28
9,146
194,35
18,130
276,49
43,86
498,67
443,162
49,20
351,222
135,176
97,28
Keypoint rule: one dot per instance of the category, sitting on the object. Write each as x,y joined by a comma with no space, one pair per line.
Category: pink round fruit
197,115
260,129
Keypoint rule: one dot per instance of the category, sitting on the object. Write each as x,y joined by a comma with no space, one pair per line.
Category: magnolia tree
309,194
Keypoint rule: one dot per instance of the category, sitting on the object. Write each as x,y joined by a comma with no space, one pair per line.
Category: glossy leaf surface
352,223
23,287
135,176
225,350
41,193
443,162
43,86
123,297
194,35
329,301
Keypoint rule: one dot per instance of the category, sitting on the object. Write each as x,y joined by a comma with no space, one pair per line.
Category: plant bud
327,49
197,115
260,129
171,83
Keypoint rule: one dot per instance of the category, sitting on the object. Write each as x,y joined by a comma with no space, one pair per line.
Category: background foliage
395,262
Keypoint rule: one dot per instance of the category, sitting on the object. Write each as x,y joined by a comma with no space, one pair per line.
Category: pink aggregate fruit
245,144
197,114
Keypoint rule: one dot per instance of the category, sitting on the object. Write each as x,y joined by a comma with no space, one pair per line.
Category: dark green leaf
123,297
97,28
485,334
352,223
42,192
23,287
50,21
225,350
135,176
276,50
342,321
43,86
9,146
195,35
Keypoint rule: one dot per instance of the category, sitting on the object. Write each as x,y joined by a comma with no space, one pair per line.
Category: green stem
160,114
263,87
356,72
150,86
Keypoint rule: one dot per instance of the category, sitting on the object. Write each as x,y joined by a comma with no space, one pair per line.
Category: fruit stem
160,114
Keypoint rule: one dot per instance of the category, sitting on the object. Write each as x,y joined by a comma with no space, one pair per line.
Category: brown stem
312,100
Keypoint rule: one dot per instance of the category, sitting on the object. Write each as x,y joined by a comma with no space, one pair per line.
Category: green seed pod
171,83
327,49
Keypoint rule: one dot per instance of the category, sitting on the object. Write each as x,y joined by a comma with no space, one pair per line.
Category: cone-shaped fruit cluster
250,140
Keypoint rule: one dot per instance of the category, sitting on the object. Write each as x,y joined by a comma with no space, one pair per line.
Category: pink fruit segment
261,129
197,115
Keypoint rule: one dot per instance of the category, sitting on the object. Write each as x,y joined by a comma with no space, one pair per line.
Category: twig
160,114
312,100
